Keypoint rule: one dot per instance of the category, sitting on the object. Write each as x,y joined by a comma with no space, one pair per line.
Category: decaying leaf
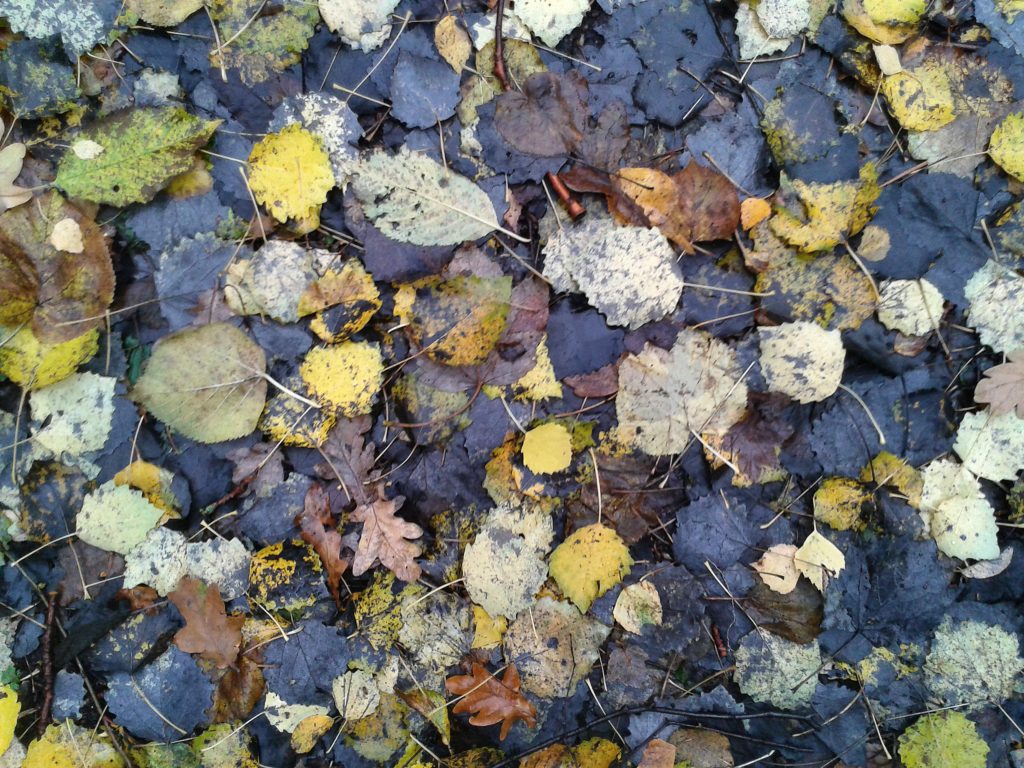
819,560
491,700
949,734
356,694
551,20
11,158
588,563
262,44
364,25
1006,147
206,382
208,630
777,568
504,566
412,199
996,294
666,396
164,13
290,174
913,307
802,360
452,42
628,273
318,530
386,538
287,717
958,515
776,671
840,503
1003,386
143,149
973,663
547,117
116,518
637,606
344,377
991,446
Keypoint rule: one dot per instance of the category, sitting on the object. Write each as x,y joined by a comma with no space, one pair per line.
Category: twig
47,649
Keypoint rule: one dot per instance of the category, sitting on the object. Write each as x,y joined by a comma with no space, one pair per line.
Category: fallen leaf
637,606
996,294
490,700
143,149
287,717
658,754
344,377
164,13
290,174
208,630
819,560
9,709
547,449
205,382
957,514
11,159
913,307
949,734
547,117
802,360
551,20
355,694
412,199
754,210
452,42
777,568
588,563
363,25
386,538
318,530
710,206
991,446
776,671
116,518
1002,389
1006,147
32,363
629,274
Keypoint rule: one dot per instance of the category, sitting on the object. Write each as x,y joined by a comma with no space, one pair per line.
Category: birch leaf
819,560
991,446
551,20
802,360
290,174
452,42
205,382
913,307
363,24
628,273
665,396
116,518
996,294
412,199
588,563
957,514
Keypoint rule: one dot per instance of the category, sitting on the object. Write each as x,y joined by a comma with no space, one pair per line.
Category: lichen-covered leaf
588,563
913,307
802,360
973,663
344,377
991,446
143,149
116,518
776,671
551,20
996,294
363,24
942,739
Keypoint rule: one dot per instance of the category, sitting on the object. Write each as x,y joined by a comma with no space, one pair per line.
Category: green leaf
206,383
943,740
142,149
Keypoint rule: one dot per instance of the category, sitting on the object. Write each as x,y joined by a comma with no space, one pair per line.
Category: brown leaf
658,754
208,630
547,117
795,615
239,689
385,538
54,290
604,144
515,354
754,442
604,382
491,700
710,203
347,458
84,564
1003,386
319,531
262,458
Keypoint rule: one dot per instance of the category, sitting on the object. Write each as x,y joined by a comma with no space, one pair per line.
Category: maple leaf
1003,386
318,530
208,630
490,700
385,537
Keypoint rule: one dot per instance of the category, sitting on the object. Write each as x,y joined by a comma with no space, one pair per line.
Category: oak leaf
1003,386
208,630
386,538
491,700
318,530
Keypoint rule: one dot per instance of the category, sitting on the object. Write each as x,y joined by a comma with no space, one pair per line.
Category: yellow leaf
32,364
819,560
487,631
9,709
921,99
547,449
588,563
344,377
1006,147
889,469
153,482
290,174
777,568
539,383
754,210
838,503
308,732
452,42
69,746
895,11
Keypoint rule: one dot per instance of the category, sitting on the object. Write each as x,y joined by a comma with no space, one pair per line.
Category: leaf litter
341,433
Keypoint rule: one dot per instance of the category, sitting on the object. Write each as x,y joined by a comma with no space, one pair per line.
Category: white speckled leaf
158,562
363,24
957,514
412,199
551,20
802,360
116,518
630,274
221,562
996,294
80,23
80,410
991,446
775,671
666,395
913,307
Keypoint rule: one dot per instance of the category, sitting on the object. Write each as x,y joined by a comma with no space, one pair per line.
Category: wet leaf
143,149
637,606
777,568
588,563
958,515
11,158
819,560
547,117
164,13
116,518
318,530
386,538
452,42
551,20
71,746
1003,386
208,630
777,671
205,382
547,449
949,734
802,360
290,174
490,700
913,307
996,294
364,25
344,377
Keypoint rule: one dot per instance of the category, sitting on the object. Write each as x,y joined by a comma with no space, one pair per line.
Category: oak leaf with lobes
492,700
386,538
208,630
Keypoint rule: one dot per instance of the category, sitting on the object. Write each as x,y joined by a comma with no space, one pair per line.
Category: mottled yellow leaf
290,174
308,732
344,377
802,360
637,606
452,42
9,709
487,631
921,98
838,503
1006,147
32,364
754,210
588,563
547,448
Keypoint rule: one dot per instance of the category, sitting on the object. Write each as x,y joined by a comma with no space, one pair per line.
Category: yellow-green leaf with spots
588,563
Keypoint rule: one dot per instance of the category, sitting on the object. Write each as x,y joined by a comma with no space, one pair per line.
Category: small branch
47,649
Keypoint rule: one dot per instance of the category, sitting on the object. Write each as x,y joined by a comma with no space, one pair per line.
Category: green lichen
973,663
776,671
268,44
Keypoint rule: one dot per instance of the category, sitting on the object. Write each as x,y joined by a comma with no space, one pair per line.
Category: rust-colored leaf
658,754
709,201
1003,386
319,531
490,700
547,117
386,538
348,459
239,689
604,382
208,630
